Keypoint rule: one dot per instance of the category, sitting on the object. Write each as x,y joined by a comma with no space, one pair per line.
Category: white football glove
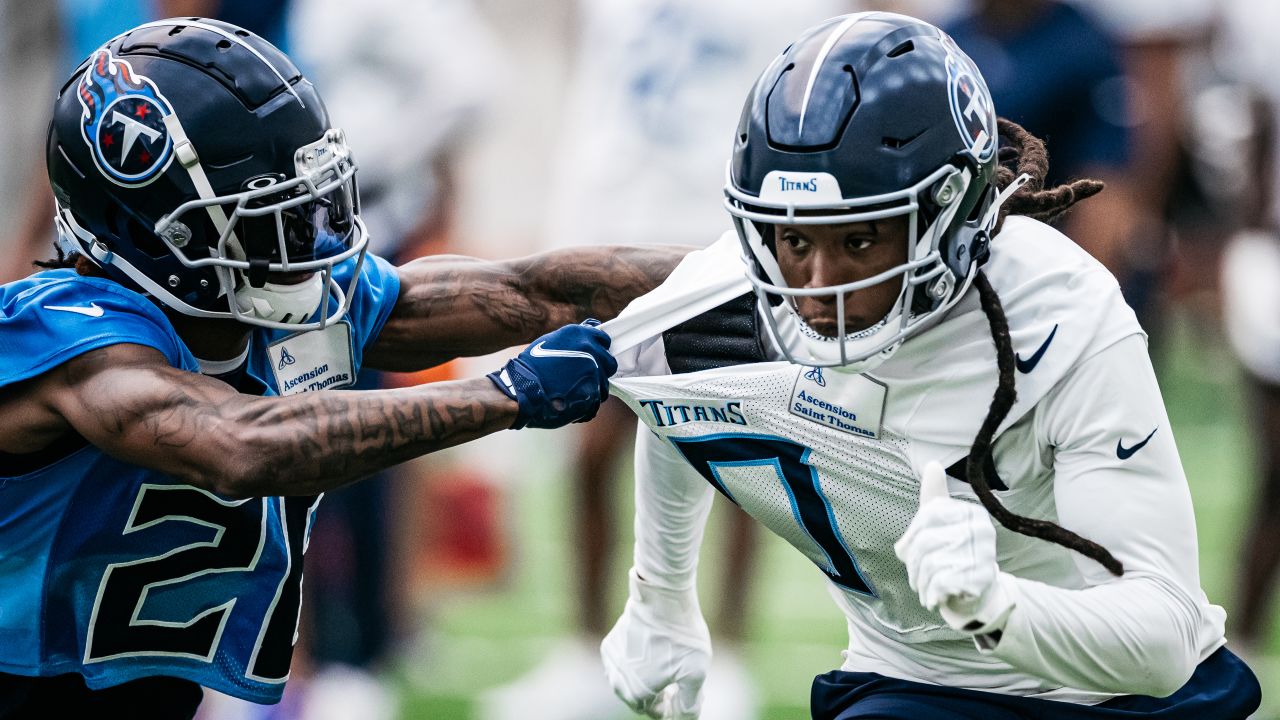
657,654
950,553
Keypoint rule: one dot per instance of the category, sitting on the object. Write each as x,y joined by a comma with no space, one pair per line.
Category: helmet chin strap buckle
950,189
941,285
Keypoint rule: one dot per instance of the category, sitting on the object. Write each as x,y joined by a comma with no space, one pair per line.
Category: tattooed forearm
319,441
203,432
597,282
452,306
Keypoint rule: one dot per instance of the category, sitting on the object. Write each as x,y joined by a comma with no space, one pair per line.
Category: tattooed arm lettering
452,306
129,402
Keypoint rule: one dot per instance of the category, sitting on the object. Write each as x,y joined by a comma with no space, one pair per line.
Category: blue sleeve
50,318
373,299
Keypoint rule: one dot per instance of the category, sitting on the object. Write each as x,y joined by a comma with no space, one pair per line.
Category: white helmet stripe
231,37
830,43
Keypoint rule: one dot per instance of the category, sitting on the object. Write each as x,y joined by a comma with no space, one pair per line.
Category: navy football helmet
191,160
867,116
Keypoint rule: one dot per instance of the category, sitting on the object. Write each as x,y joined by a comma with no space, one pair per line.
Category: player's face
812,256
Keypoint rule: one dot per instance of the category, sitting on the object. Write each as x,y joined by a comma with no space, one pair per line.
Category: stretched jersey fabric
830,461
117,572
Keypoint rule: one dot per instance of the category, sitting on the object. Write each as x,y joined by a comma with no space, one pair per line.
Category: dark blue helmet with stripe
191,160
867,116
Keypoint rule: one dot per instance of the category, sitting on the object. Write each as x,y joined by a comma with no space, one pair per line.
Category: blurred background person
31,38
1239,136
1057,71
1157,39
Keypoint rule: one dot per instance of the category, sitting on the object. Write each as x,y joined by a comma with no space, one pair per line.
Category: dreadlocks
1028,155
63,260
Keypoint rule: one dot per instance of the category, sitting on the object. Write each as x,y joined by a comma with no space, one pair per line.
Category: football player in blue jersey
162,446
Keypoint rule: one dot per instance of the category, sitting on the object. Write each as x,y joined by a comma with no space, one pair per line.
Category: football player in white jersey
831,370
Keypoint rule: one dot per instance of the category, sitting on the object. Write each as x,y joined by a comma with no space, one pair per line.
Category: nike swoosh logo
1125,453
506,380
540,350
92,311
1026,366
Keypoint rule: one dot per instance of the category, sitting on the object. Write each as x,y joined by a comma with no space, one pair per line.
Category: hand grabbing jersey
559,379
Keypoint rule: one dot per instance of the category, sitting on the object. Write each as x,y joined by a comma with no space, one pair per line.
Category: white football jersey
830,460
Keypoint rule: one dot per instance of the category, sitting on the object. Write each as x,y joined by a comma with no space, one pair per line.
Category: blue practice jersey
115,571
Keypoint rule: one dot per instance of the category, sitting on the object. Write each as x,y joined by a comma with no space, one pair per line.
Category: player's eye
794,242
858,244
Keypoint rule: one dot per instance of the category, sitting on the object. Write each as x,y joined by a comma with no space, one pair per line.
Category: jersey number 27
241,533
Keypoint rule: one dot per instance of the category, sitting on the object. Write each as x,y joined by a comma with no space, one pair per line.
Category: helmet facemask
304,225
927,286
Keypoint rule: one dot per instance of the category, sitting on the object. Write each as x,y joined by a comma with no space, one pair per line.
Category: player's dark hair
70,261
59,262
1027,154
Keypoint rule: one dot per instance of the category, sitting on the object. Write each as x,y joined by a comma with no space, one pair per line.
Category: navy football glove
561,378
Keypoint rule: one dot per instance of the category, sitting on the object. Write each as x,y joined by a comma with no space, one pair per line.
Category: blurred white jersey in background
653,101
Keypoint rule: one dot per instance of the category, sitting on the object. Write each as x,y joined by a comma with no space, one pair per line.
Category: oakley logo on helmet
971,105
123,121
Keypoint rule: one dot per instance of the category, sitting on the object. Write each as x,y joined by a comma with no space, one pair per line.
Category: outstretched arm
128,401
452,306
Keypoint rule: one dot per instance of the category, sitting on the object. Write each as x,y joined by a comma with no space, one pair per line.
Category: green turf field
481,639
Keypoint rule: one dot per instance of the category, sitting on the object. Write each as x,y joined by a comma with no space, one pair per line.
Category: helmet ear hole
125,229
115,223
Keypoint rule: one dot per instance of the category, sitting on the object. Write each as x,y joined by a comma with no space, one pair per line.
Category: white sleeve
1117,481
672,503
648,358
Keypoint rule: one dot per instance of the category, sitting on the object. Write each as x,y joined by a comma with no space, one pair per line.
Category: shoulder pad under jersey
723,336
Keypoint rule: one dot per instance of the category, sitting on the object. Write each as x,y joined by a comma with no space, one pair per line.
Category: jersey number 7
810,508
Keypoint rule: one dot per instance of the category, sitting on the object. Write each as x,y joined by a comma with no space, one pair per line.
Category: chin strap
993,212
185,152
